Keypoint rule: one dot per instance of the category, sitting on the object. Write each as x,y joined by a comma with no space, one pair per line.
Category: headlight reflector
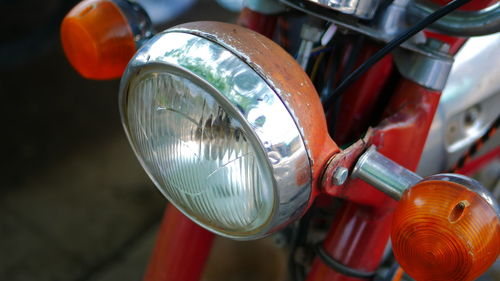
198,153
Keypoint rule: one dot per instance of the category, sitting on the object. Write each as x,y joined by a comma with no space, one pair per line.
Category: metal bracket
353,24
364,9
345,159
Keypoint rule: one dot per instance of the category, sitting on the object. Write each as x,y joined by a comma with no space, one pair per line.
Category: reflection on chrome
253,111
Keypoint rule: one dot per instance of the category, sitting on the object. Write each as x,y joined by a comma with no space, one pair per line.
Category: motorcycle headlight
208,114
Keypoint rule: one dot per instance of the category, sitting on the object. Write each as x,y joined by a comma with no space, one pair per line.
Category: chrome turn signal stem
384,174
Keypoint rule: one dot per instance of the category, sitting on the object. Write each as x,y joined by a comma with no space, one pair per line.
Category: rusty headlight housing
220,118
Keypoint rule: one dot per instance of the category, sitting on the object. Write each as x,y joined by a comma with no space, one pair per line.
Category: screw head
472,116
340,175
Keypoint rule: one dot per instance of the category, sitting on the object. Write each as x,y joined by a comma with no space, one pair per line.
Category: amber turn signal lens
444,231
97,39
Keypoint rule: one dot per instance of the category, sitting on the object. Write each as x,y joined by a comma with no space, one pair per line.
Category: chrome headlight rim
287,207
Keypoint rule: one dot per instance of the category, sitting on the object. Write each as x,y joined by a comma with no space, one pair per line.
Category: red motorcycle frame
364,221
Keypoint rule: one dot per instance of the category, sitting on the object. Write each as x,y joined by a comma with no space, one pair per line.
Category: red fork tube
181,249
357,239
359,100
361,230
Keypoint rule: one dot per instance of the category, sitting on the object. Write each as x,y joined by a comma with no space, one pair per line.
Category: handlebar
460,23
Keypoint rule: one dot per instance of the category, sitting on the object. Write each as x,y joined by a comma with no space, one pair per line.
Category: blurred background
74,202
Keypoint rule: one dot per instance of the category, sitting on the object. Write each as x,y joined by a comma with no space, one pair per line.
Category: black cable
350,64
332,67
299,238
353,56
391,46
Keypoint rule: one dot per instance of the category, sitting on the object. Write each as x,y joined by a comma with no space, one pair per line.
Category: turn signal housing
446,227
100,36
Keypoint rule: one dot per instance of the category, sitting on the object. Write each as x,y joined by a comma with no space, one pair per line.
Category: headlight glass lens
198,153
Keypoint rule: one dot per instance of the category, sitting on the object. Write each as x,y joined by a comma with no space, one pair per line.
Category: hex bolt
340,175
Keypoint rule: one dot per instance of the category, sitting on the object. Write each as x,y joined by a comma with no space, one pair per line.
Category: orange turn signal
97,39
443,230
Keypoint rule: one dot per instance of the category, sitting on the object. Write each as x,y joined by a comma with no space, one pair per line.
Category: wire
331,71
357,46
320,50
317,49
339,267
352,57
405,35
299,238
316,66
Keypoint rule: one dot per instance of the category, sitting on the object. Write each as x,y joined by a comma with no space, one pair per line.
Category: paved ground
74,203
74,200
